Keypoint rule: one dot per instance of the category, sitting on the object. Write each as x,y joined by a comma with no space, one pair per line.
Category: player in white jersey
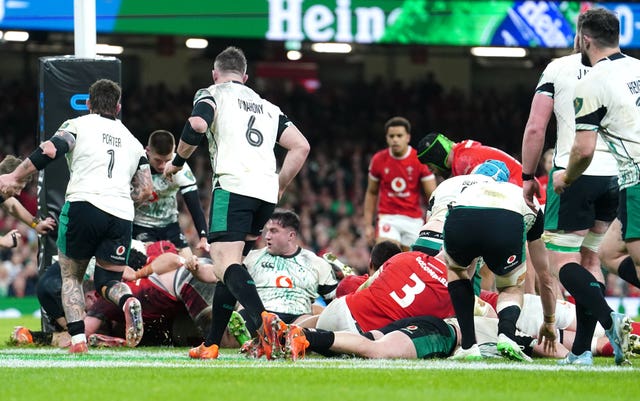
108,173
157,218
242,129
576,220
288,277
501,223
606,103
430,238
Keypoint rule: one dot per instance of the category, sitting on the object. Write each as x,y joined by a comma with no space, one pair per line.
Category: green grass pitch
43,373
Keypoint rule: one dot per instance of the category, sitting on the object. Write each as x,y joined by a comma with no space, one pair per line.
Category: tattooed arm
141,184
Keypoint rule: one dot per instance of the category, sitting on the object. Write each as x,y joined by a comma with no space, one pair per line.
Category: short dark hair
602,25
104,97
383,251
397,122
162,142
286,218
231,59
9,163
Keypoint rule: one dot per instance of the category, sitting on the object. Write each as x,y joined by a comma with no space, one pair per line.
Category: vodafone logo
284,282
120,250
398,184
511,259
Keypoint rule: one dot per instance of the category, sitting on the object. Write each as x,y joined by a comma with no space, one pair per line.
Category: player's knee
103,280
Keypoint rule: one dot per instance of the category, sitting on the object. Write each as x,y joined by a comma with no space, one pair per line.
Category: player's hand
530,188
192,264
370,234
559,183
128,274
170,170
203,245
10,239
46,225
547,337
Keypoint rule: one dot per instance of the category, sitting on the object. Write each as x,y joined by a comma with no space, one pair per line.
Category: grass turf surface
39,373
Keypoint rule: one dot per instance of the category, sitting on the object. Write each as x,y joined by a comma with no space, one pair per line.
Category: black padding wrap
39,159
62,146
203,110
178,160
189,136
105,278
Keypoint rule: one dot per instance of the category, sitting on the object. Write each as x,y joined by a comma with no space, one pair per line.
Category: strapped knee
103,280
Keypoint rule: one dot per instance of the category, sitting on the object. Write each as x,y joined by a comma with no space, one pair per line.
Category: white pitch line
54,358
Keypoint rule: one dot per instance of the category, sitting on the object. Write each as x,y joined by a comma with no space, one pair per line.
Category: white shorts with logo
402,229
337,317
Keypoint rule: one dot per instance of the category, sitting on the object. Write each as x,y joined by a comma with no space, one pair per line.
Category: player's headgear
158,248
495,169
434,149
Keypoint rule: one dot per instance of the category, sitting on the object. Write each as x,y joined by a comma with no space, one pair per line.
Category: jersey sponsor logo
268,265
120,250
398,184
284,282
511,259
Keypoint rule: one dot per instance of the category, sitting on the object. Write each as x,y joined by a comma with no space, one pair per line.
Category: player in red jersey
408,284
396,181
450,158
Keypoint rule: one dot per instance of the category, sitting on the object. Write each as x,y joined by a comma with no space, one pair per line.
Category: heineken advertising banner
457,23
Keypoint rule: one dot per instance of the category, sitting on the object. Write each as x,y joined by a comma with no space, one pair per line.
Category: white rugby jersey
608,101
558,81
162,209
102,164
289,284
448,190
241,138
502,195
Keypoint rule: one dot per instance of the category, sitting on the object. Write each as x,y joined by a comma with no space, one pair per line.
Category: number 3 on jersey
409,291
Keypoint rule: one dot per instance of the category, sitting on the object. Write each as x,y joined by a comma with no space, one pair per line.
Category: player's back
410,284
499,195
448,191
241,138
101,165
613,85
468,154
